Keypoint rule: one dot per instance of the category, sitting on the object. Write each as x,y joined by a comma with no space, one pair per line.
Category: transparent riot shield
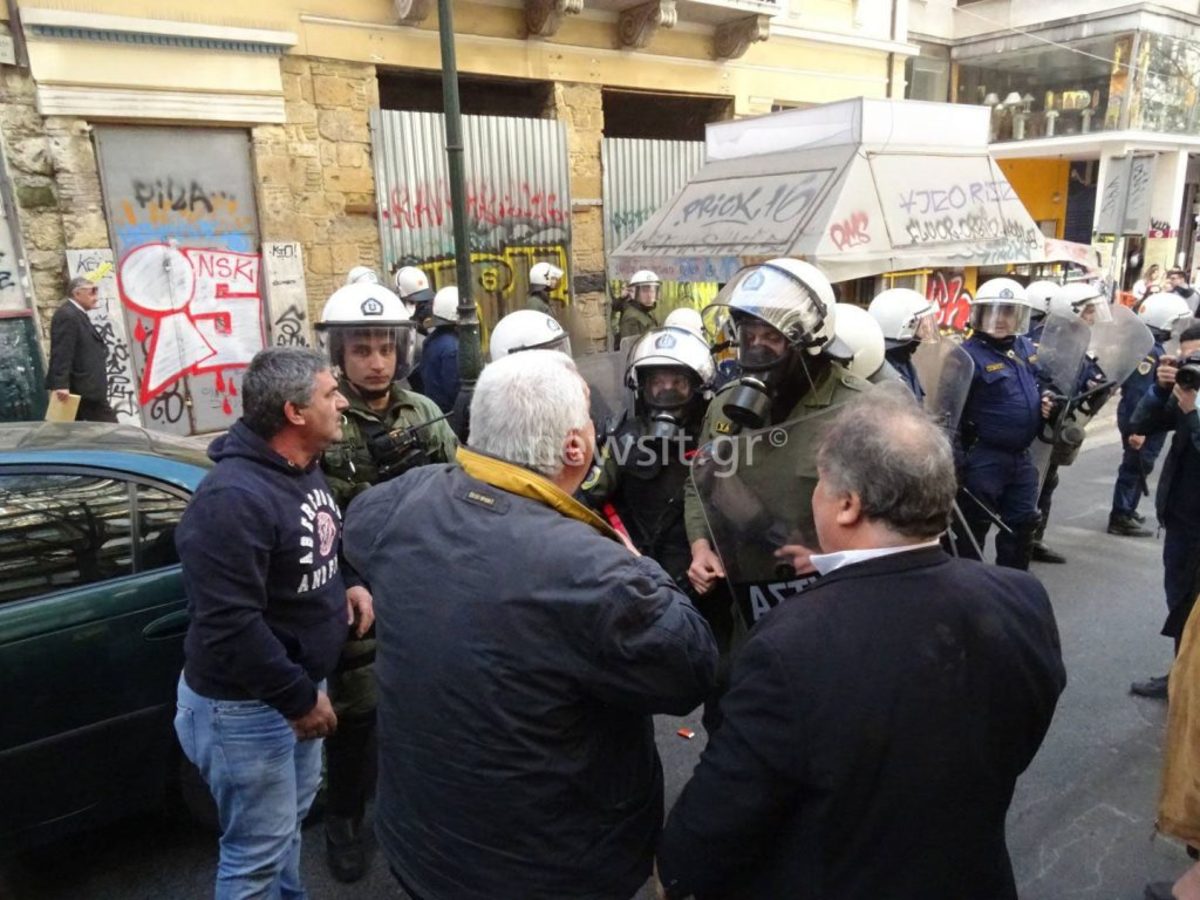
1060,361
945,370
756,489
1115,350
605,376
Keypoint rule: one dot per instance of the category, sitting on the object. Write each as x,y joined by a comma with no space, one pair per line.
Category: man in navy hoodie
259,545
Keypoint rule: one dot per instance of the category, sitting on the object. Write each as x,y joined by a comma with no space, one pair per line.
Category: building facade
1095,114
219,169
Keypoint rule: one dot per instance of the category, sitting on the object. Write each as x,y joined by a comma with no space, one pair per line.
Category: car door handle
172,625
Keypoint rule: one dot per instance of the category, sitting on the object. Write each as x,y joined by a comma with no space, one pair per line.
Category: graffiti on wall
12,298
496,215
97,265
287,302
184,210
947,290
197,310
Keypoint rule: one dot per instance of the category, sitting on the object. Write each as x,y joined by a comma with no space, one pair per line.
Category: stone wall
580,109
56,184
315,178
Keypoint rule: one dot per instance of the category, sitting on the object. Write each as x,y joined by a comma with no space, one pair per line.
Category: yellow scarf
528,484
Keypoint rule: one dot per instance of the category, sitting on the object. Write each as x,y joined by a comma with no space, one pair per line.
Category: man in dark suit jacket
78,353
877,723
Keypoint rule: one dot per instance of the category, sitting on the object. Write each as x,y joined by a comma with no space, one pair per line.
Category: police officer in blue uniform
1004,411
906,318
1039,294
1162,313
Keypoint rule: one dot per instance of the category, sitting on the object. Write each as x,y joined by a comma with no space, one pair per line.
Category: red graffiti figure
851,232
947,291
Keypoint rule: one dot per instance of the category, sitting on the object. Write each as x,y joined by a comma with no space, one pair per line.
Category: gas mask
748,404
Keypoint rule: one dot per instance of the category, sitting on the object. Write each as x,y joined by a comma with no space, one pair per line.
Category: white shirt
829,562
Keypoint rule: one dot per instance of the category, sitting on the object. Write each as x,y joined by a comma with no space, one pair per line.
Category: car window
59,531
158,513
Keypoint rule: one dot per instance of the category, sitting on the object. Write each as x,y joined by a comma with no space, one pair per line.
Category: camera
1187,376
395,452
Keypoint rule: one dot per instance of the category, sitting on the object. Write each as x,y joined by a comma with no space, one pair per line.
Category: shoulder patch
1145,367
994,367
593,477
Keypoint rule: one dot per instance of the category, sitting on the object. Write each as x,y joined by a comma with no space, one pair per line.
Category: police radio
395,452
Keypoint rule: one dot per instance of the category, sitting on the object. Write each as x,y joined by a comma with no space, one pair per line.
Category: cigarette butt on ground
686,733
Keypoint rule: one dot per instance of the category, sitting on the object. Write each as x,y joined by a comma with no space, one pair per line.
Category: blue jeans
263,780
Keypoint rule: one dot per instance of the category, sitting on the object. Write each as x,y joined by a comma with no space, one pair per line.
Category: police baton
991,515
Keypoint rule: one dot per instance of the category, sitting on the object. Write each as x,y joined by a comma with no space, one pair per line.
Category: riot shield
1064,341
605,376
756,488
945,370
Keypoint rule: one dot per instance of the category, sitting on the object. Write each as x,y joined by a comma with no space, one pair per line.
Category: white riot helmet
545,275
1082,299
445,306
1000,308
413,286
371,316
904,316
1040,294
859,330
646,287
362,275
670,368
688,319
527,329
1166,312
792,297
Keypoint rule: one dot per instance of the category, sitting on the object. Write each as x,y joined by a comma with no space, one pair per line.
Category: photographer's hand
1166,371
1186,398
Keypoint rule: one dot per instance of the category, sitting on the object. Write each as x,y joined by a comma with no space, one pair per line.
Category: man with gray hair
877,723
268,615
522,648
78,354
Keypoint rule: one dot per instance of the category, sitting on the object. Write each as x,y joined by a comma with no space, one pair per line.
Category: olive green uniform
350,470
772,481
539,302
636,320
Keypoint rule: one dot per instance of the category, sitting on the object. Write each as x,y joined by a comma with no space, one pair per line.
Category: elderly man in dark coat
78,354
522,648
876,725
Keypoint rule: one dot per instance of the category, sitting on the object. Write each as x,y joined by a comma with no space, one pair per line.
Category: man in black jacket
522,648
1171,406
78,353
268,616
876,725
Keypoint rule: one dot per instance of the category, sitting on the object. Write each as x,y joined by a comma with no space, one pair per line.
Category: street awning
864,194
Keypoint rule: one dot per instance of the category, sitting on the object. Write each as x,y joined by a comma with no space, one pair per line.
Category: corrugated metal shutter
518,201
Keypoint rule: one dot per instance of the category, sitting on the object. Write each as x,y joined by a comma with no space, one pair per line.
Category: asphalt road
1081,823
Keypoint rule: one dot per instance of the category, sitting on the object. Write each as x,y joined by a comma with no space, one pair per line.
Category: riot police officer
543,280
860,332
1003,414
414,290
1163,313
362,275
783,318
644,462
439,357
527,329
907,318
386,430
637,316
1040,293
1087,302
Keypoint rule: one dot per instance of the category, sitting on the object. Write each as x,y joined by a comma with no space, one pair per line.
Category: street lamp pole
470,353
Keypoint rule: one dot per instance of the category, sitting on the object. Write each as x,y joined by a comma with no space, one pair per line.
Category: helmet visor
369,358
667,387
760,345
1095,311
778,299
646,294
1000,320
923,327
